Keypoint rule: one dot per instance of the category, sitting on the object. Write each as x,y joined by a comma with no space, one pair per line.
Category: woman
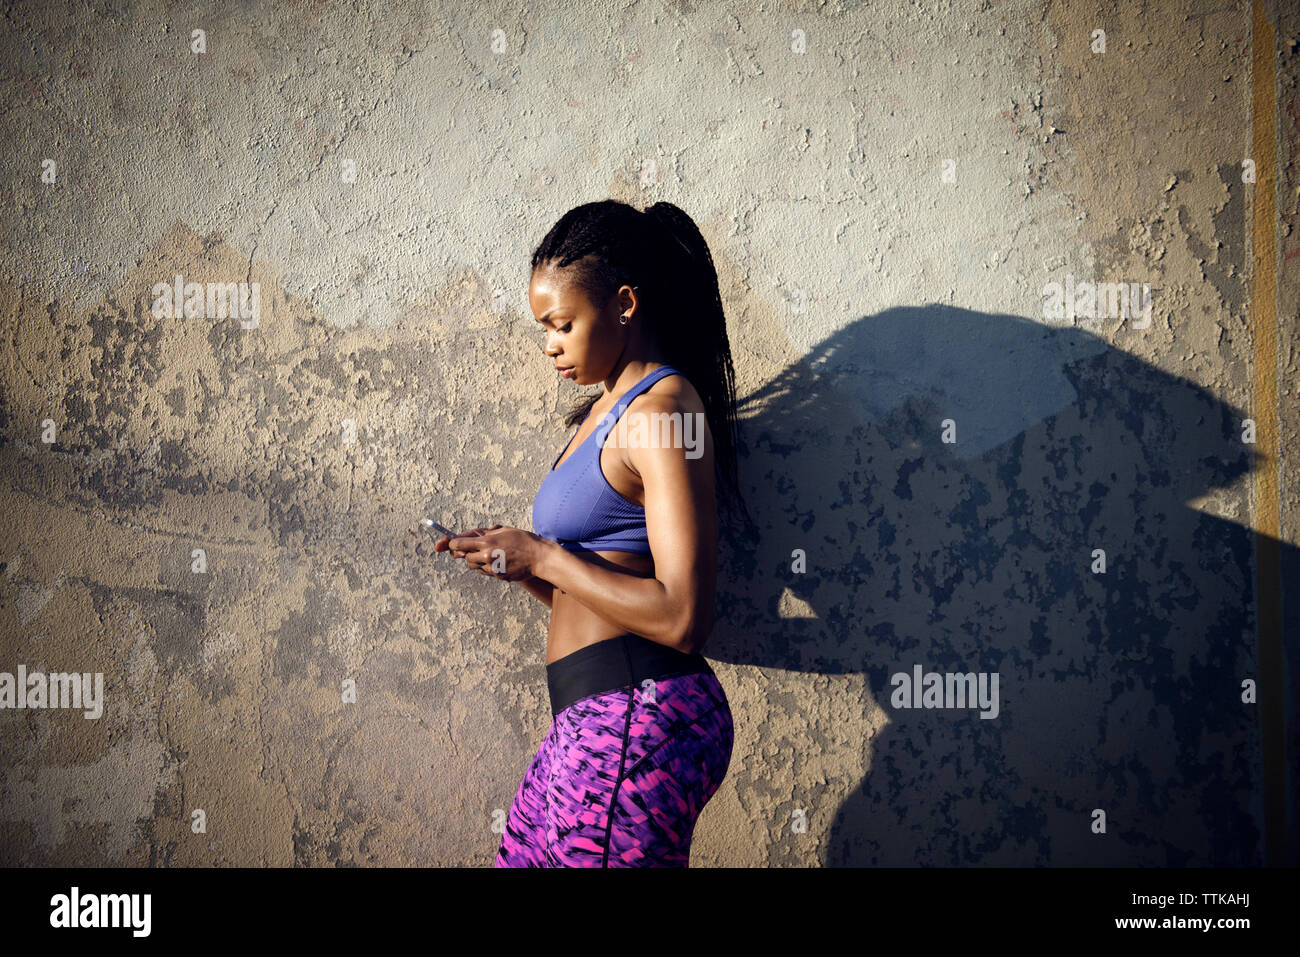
626,551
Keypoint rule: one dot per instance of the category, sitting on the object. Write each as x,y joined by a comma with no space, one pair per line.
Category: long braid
662,252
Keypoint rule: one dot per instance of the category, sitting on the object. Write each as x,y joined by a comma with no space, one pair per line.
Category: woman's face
577,331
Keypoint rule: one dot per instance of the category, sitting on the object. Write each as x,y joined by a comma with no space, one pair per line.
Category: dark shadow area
1120,691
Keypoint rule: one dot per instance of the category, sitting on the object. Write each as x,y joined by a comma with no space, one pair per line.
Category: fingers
470,533
444,544
475,532
460,548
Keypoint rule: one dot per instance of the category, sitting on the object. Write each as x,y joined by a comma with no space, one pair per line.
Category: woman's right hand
441,545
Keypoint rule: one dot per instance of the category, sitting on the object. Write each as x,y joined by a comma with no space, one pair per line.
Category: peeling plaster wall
868,301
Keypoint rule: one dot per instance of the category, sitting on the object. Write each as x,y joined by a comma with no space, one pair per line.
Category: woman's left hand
501,552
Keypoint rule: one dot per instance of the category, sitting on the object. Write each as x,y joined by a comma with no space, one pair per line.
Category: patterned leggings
621,778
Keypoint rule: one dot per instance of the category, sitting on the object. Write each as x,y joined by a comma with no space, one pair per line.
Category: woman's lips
567,373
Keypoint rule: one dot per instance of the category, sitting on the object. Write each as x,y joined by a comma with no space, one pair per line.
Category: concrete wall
188,511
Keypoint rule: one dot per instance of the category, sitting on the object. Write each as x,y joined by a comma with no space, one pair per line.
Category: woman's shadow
1120,692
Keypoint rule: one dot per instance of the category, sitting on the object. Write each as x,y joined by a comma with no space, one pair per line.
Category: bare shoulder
673,411
672,393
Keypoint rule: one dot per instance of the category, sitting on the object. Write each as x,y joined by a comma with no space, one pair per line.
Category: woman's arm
543,590
675,608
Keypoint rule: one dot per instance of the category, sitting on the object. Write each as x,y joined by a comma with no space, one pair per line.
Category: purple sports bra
577,507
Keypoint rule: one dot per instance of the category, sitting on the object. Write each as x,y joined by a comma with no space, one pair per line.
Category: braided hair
610,244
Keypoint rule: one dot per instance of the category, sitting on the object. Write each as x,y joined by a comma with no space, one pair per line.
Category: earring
622,320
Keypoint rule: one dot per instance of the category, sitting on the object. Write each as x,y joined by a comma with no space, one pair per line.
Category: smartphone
430,523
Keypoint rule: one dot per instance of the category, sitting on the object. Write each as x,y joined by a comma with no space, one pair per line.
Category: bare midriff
573,624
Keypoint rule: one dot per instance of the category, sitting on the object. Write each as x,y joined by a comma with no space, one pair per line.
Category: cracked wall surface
220,515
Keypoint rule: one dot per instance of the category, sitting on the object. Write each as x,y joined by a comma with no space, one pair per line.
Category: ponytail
700,322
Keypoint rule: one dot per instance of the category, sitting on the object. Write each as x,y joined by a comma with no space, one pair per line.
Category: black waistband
615,663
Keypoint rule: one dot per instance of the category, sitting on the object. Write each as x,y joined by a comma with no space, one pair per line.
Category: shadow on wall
1119,691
